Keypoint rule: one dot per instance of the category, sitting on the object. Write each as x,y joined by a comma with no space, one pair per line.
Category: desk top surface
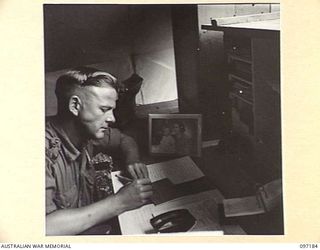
203,206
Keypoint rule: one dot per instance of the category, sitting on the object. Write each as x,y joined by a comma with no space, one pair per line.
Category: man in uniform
86,100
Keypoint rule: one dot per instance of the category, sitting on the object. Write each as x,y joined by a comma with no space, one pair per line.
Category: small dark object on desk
180,220
164,190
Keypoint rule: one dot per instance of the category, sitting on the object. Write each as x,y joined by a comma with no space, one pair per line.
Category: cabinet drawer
238,46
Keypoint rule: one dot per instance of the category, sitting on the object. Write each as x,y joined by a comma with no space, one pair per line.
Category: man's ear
75,104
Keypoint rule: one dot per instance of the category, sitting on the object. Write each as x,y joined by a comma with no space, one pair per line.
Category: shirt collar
71,152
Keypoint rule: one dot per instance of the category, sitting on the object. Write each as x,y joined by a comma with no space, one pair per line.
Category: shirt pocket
68,198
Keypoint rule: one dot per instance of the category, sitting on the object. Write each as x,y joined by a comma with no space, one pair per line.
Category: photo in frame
175,134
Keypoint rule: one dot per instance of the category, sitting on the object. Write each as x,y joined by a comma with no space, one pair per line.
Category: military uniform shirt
69,171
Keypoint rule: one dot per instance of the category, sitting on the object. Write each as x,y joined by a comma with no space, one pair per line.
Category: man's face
96,111
175,129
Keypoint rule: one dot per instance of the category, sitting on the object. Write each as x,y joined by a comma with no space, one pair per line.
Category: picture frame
175,134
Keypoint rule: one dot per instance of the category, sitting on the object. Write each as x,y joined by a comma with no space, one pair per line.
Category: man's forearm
114,141
130,149
76,220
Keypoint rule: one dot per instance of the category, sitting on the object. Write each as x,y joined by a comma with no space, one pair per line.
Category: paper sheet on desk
177,171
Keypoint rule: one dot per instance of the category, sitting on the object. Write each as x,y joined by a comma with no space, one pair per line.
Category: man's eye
104,110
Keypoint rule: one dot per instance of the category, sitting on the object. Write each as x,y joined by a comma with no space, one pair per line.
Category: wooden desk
203,205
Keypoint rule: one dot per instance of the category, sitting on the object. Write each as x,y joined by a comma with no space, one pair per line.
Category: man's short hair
81,77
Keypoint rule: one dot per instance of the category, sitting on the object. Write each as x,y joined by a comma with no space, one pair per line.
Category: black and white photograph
177,134
163,119
96,94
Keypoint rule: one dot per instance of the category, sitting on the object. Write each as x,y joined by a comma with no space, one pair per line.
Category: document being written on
177,171
203,206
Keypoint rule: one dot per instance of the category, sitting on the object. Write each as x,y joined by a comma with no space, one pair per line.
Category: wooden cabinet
253,59
267,115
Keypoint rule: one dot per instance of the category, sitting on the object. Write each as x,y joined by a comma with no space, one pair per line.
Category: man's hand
138,170
135,194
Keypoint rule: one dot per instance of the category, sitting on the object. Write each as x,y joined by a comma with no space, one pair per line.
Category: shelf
241,98
168,107
241,86
239,78
256,22
241,58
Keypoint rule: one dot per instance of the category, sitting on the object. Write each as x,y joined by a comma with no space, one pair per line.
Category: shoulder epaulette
53,147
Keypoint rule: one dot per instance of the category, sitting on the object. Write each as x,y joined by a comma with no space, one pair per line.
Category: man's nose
110,117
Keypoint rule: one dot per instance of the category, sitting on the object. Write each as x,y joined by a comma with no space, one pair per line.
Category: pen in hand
123,179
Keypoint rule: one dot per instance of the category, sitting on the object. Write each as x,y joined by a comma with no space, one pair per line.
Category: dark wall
84,34
186,42
212,72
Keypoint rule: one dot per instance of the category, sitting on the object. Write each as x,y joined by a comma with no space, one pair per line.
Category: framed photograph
175,134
